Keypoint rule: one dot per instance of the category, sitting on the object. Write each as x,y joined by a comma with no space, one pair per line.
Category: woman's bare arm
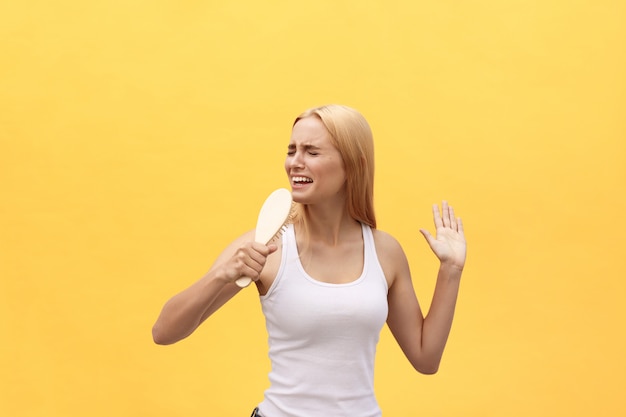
423,339
183,313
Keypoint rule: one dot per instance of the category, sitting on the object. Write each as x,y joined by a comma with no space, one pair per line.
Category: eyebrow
306,147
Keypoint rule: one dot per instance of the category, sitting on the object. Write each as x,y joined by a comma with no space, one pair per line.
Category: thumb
272,247
429,238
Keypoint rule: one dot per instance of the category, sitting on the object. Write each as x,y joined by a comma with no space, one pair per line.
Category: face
313,164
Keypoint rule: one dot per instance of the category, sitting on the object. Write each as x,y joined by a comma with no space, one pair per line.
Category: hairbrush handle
243,282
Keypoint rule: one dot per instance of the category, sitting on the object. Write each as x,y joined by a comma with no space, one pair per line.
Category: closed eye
310,149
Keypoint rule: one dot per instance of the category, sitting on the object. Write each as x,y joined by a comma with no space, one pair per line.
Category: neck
328,226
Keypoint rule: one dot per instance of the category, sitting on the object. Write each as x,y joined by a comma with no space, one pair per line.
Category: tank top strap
370,254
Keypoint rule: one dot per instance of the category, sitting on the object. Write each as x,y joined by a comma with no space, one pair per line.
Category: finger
437,216
453,224
249,272
257,260
460,227
254,267
241,269
445,213
251,259
261,248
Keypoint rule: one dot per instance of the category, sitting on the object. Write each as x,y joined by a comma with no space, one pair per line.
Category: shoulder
238,241
390,255
386,244
233,246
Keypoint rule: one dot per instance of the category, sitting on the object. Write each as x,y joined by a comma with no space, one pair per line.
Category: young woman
332,280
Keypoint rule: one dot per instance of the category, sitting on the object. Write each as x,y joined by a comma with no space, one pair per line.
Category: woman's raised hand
449,242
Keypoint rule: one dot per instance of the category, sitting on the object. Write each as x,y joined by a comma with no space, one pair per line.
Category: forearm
438,322
184,312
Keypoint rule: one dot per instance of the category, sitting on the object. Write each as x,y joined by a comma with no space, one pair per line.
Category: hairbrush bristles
283,228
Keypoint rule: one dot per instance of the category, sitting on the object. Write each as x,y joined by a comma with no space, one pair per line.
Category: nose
295,160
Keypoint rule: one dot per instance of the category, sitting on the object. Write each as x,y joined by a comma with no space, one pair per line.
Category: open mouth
301,180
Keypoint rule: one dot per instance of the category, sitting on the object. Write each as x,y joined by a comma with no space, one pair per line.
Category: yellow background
139,137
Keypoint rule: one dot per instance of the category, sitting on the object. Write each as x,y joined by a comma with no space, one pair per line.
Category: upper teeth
302,179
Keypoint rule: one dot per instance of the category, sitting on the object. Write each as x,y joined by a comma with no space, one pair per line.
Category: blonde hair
351,135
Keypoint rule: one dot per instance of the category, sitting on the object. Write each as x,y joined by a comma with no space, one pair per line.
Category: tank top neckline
296,257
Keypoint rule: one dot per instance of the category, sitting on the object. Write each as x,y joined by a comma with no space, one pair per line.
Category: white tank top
322,338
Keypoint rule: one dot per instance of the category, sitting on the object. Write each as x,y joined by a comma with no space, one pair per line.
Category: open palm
449,242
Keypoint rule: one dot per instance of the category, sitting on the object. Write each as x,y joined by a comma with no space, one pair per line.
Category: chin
300,197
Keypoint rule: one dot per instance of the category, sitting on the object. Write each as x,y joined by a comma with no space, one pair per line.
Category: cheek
338,174
339,168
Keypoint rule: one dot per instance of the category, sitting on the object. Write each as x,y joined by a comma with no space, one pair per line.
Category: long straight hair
352,136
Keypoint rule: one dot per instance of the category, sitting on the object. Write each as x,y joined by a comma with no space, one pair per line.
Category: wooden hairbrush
273,216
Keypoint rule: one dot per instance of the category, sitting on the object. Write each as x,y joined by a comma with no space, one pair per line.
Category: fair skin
334,248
